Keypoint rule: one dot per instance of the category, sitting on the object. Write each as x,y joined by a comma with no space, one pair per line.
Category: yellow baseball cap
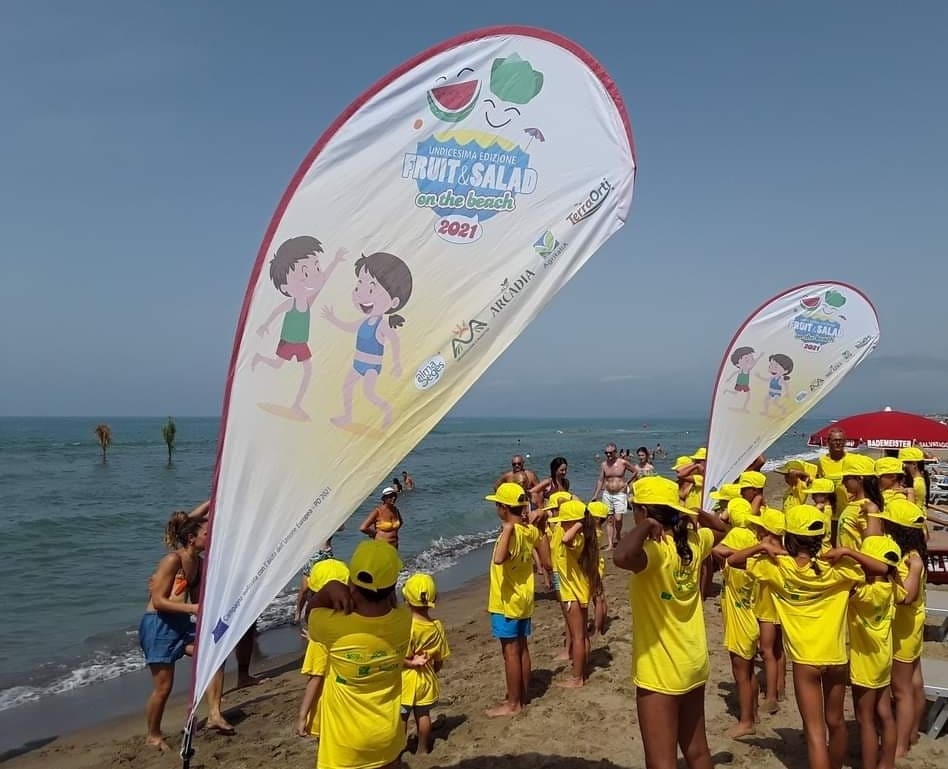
882,548
701,453
821,486
727,492
509,494
794,465
858,464
911,454
329,570
655,490
902,512
374,565
806,521
682,462
771,519
739,512
598,509
420,590
570,511
556,499
888,466
751,479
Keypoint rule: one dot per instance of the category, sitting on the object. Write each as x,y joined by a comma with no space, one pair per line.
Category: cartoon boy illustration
297,274
383,285
743,358
777,388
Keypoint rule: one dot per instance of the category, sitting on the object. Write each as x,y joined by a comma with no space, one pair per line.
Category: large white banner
783,360
427,227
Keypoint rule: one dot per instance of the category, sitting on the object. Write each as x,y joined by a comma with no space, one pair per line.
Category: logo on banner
467,175
548,248
466,336
509,290
429,372
818,323
593,202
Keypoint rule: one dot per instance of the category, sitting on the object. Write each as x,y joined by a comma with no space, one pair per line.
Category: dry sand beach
574,729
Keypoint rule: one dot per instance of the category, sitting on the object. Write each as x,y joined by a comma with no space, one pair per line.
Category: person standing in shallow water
166,632
385,520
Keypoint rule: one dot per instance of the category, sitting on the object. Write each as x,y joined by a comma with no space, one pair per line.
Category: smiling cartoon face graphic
452,100
513,81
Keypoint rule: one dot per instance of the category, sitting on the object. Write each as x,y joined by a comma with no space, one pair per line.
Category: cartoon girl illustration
779,368
383,285
744,360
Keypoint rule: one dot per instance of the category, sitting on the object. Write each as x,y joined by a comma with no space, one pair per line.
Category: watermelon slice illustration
452,103
811,302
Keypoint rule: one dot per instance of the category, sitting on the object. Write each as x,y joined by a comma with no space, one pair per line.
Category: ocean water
79,537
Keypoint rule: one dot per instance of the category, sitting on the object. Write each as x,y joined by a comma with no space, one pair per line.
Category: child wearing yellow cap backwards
599,512
366,637
741,630
871,610
578,569
905,523
811,589
427,651
510,602
670,663
316,658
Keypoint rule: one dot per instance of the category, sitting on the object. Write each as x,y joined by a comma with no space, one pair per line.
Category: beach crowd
832,580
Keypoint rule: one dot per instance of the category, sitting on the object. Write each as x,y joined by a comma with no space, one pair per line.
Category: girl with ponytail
665,552
812,589
863,499
905,523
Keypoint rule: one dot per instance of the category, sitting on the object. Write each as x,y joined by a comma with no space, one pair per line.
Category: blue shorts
163,636
504,628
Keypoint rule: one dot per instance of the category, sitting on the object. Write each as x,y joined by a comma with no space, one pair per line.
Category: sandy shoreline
593,726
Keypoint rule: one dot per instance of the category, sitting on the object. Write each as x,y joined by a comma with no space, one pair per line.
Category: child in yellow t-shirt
811,588
366,636
511,598
557,557
741,630
822,494
316,657
862,498
577,557
427,651
797,475
670,665
871,610
904,521
769,526
600,512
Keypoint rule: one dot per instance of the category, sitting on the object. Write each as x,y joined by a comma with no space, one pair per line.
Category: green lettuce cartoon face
512,80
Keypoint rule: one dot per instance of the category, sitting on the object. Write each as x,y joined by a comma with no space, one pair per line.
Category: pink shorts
290,350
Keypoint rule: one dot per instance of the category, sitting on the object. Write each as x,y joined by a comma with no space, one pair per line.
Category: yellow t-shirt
420,685
833,469
908,627
851,529
557,551
795,495
315,662
890,494
574,583
360,720
669,643
811,606
693,498
918,486
511,582
871,609
741,630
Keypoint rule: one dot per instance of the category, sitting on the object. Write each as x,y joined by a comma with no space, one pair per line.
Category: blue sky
146,146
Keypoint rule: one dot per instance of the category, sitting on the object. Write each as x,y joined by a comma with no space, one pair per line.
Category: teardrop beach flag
783,360
426,228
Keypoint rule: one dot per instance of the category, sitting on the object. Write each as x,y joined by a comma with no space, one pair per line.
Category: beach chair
938,558
936,605
937,514
935,673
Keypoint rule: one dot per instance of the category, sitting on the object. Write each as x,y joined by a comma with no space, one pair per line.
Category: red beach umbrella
887,430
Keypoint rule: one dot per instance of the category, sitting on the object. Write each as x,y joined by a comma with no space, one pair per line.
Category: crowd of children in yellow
839,586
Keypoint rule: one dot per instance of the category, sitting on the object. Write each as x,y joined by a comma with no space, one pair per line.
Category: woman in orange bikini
385,520
166,632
